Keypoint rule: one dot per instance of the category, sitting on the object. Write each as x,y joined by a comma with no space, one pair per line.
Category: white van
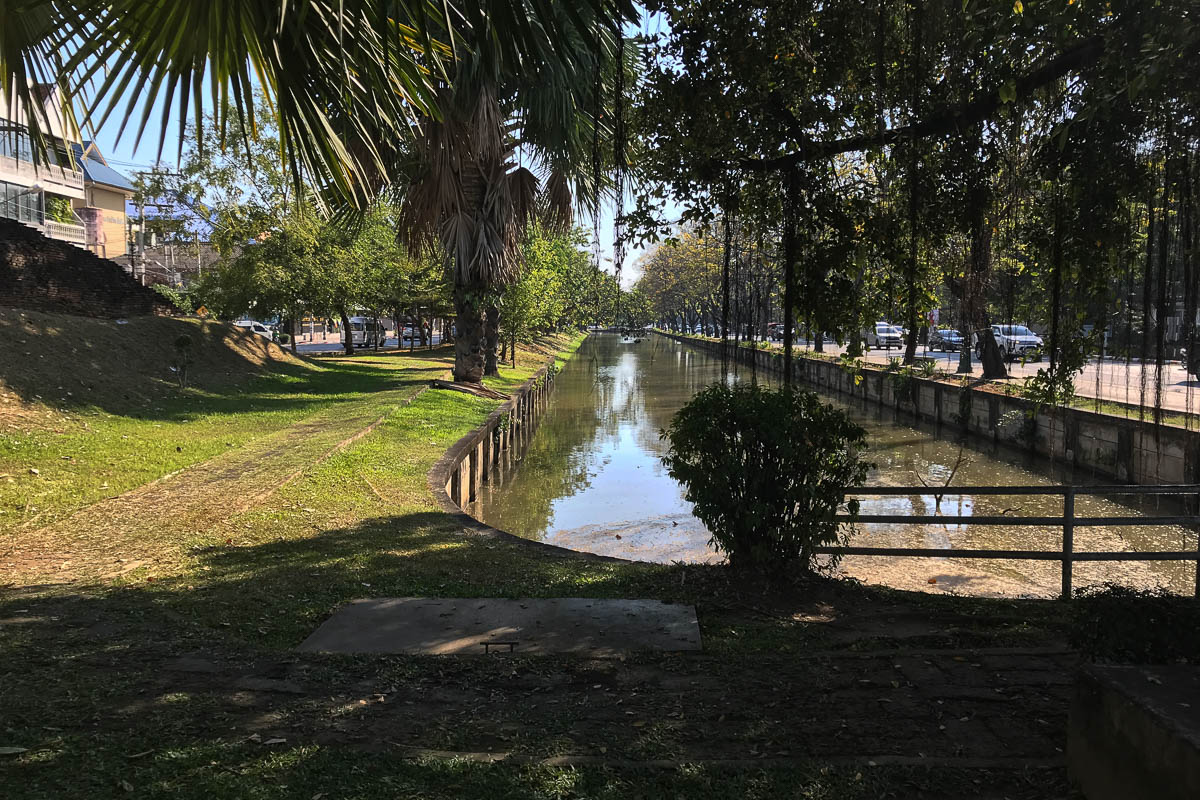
255,327
366,332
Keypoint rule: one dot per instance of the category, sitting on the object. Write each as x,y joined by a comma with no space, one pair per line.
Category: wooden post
1068,542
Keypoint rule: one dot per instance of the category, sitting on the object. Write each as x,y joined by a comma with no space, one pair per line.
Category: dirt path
126,532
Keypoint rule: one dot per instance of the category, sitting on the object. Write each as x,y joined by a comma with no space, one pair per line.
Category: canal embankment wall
1126,450
489,451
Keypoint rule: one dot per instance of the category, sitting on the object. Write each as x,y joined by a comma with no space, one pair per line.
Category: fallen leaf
276,740
13,751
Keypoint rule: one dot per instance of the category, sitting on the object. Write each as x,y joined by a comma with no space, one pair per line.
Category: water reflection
592,480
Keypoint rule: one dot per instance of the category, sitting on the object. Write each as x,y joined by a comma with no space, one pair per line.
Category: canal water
591,479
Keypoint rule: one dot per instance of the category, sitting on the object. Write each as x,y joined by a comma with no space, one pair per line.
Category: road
332,343
1114,381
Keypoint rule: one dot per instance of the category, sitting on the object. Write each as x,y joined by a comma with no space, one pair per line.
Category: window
15,144
17,202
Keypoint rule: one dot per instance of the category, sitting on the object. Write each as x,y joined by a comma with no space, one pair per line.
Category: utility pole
139,261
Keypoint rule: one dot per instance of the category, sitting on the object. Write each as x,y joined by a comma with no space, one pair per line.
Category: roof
96,170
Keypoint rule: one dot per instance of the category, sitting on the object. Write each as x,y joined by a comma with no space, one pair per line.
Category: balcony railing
50,177
66,232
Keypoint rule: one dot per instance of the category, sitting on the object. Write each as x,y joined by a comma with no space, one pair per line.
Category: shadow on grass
77,364
175,686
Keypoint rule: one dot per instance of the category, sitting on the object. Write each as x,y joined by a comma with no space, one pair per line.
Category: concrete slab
1134,731
454,626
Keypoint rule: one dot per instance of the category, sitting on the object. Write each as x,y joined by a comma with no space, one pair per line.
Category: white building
75,198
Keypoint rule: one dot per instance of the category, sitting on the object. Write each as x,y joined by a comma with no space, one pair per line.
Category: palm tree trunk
469,344
492,335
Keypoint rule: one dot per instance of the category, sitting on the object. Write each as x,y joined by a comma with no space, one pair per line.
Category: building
102,209
174,263
41,196
76,198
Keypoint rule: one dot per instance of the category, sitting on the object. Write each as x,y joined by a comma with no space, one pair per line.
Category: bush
1140,626
766,471
177,298
283,338
183,358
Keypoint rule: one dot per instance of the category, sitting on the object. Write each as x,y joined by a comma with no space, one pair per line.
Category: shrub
177,298
183,358
283,338
59,209
766,471
1143,626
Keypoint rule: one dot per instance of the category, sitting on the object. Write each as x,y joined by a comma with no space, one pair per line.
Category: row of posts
503,438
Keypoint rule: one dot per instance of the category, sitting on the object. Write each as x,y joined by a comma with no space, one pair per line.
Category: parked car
883,335
1015,342
775,331
945,340
262,329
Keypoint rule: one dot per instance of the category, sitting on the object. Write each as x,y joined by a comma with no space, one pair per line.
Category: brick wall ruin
44,274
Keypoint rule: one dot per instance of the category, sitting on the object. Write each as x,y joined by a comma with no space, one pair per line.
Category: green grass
98,454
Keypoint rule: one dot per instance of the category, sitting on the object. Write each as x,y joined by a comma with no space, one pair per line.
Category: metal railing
1067,522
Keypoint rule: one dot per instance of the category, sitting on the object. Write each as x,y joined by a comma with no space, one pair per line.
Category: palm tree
513,143
343,76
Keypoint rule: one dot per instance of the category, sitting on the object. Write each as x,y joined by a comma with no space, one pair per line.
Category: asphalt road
333,344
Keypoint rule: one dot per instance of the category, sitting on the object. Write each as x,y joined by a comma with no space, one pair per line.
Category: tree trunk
397,318
469,344
292,338
347,333
492,340
789,266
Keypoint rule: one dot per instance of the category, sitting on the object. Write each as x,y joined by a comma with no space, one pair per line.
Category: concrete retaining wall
1126,450
485,454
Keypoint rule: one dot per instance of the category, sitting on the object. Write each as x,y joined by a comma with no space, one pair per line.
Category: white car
883,335
255,327
1016,342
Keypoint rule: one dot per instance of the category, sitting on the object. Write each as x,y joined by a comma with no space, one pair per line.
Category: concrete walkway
456,626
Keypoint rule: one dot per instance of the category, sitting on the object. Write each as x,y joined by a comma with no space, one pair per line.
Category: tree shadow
78,364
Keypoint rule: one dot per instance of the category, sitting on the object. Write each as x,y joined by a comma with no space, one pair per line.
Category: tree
343,77
511,146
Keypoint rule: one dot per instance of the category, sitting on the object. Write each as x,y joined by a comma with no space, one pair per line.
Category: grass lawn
176,678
